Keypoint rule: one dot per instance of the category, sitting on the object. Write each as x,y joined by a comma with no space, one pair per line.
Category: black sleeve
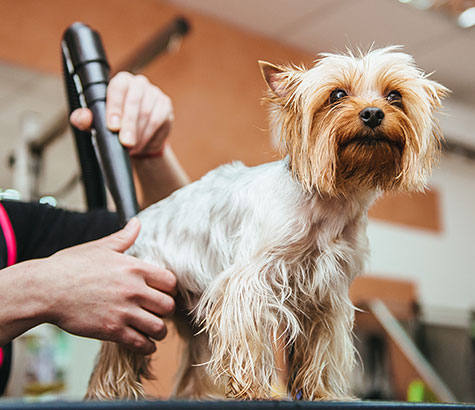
42,230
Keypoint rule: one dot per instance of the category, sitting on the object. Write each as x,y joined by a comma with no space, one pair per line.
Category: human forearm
24,302
157,177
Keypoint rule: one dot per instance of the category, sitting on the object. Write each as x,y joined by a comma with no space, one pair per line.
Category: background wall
441,263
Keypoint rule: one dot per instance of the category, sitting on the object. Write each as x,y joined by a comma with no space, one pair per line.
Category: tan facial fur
331,149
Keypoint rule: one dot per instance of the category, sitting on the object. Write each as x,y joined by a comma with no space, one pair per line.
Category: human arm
158,176
143,115
91,290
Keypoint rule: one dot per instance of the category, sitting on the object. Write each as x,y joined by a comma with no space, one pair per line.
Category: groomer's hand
94,290
137,109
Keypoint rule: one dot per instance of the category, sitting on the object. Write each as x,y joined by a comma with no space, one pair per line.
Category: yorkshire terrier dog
264,256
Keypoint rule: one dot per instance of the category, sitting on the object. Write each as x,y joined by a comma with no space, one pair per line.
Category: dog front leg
243,316
117,374
323,356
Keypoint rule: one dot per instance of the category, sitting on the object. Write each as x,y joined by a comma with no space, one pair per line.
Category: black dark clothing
41,230
5,367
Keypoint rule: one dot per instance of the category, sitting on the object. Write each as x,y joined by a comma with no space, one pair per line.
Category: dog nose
372,116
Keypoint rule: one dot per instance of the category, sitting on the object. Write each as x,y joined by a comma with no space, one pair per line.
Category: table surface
232,405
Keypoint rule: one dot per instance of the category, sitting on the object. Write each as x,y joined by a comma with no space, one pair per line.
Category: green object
418,392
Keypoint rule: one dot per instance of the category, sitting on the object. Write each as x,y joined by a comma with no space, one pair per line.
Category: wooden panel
416,210
398,294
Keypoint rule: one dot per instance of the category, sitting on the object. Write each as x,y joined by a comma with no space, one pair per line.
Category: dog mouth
372,141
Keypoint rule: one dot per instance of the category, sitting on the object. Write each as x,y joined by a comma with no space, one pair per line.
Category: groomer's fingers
158,125
158,303
116,94
133,340
149,100
161,279
122,240
148,324
81,118
131,111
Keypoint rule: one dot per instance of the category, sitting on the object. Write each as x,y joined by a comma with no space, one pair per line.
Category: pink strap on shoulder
9,236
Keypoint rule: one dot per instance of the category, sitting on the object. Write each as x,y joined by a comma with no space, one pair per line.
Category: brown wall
214,80
421,210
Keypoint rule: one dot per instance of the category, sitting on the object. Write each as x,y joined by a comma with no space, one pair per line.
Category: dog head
361,121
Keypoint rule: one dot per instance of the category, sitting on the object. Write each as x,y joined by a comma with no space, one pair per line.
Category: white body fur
204,228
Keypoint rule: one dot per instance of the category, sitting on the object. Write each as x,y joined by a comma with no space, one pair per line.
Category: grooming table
232,405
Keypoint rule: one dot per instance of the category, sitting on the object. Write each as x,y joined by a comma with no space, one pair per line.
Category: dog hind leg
117,374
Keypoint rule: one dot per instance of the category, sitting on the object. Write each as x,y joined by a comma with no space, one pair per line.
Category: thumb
81,118
122,240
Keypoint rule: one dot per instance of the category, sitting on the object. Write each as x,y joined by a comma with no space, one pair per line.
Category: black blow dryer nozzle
86,73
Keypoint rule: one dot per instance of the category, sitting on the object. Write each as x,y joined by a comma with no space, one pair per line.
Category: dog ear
275,77
436,92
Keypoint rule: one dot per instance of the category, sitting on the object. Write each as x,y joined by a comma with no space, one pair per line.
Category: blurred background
416,334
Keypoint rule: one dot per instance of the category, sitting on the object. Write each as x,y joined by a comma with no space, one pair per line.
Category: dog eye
337,95
395,98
